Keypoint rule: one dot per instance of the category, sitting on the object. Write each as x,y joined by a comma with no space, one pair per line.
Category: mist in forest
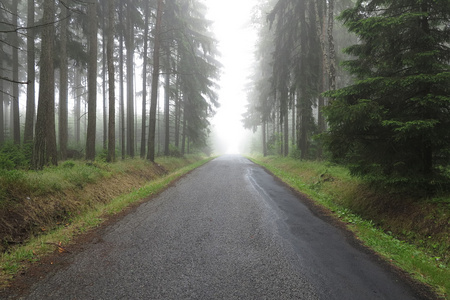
306,79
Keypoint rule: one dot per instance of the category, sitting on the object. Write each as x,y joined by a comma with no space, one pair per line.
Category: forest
361,83
79,79
365,84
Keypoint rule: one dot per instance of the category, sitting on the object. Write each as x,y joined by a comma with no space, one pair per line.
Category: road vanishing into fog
227,230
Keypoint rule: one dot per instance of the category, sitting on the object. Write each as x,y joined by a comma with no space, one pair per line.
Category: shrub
14,156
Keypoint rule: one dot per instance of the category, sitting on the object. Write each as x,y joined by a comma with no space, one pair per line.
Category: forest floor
412,233
41,212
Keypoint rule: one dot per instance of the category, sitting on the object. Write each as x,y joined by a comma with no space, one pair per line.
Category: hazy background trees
387,104
73,49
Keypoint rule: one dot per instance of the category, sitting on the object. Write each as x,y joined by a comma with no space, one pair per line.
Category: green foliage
391,125
174,151
14,156
274,144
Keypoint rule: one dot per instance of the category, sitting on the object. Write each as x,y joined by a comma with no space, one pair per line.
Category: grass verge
413,234
17,258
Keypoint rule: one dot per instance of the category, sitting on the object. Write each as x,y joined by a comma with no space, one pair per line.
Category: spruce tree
391,125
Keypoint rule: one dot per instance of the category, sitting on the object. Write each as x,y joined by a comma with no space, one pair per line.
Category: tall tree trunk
2,113
31,73
264,137
144,81
302,140
77,106
331,50
155,80
184,128
45,139
15,68
320,31
129,41
63,83
121,90
92,81
177,113
293,127
167,105
111,80
286,134
104,69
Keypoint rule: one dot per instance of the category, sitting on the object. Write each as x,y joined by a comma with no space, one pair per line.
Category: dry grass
36,202
48,222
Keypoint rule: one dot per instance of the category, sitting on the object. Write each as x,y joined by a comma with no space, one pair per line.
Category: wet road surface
228,230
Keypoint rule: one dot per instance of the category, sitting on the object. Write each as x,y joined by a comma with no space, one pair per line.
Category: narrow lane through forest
228,230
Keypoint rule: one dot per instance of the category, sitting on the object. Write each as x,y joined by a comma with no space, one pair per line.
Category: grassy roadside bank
411,233
45,210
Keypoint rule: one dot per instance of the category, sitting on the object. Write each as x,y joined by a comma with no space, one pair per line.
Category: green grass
332,187
17,258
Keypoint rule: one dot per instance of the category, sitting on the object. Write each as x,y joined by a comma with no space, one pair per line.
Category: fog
236,37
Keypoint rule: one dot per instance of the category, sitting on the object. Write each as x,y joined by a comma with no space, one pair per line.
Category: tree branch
14,81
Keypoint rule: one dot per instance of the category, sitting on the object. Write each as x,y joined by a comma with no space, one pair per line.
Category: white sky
236,44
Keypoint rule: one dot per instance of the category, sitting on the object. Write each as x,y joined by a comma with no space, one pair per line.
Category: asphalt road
228,230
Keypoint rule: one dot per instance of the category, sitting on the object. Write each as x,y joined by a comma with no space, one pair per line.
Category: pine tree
92,80
45,139
111,84
392,124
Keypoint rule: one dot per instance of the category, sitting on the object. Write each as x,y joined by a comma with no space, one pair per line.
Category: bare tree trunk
31,73
144,81
167,105
302,140
63,83
331,50
264,137
129,41
177,114
92,81
2,113
155,80
15,68
121,92
184,133
286,134
45,139
77,107
112,105
294,106
104,69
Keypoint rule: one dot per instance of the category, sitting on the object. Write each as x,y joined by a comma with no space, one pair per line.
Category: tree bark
15,69
144,81
104,73
31,74
264,138
45,140
167,105
286,134
77,106
92,81
184,133
155,80
129,41
2,113
63,83
177,113
331,50
111,156
121,90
